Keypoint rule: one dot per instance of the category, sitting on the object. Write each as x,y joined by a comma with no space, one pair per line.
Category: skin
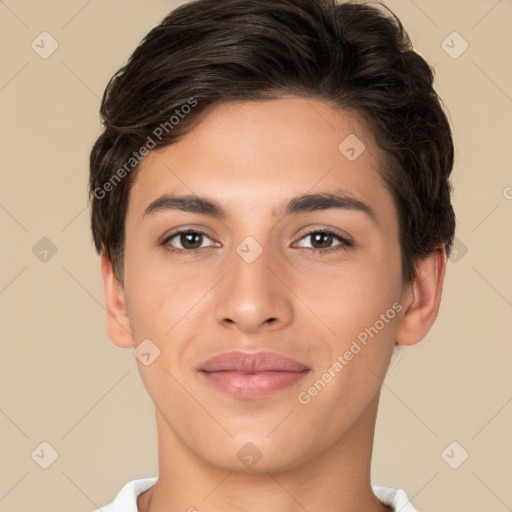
253,157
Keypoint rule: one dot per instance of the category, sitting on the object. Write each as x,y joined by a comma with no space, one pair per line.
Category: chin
258,456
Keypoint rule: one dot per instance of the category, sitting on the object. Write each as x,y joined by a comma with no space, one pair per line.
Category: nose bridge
251,261
251,279
251,295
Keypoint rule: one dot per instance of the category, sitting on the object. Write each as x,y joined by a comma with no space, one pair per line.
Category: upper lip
252,362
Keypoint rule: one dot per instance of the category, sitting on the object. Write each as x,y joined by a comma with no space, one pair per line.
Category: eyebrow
300,204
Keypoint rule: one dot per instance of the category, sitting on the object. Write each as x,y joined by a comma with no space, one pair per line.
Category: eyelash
342,246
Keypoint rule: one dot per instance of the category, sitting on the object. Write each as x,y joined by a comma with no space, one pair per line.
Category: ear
119,330
422,298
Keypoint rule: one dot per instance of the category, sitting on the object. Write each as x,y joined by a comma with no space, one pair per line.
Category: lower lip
253,385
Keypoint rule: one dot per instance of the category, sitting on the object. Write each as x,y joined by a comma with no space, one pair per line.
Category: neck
337,480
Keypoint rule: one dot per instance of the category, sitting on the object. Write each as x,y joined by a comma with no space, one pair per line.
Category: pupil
189,238
318,237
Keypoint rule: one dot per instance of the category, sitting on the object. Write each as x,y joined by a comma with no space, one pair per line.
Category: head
249,103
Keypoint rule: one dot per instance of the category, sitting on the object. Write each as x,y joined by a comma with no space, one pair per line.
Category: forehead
255,154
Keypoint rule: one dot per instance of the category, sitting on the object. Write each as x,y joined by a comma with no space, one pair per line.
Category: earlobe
422,299
119,330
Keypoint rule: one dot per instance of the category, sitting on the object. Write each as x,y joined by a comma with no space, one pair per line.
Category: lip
252,375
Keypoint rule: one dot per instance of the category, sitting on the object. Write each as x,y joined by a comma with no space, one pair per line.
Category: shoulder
126,499
397,498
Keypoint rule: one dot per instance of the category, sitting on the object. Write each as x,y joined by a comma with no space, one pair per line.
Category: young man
271,203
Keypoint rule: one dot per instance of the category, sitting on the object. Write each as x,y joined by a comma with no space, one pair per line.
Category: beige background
65,383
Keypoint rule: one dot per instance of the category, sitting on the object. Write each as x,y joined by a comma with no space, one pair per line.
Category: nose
254,296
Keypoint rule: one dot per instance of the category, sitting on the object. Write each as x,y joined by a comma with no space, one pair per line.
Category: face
275,315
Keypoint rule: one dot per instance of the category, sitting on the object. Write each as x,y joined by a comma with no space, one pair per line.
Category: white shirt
126,500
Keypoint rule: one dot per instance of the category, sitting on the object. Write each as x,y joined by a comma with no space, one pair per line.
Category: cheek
353,294
164,300
147,295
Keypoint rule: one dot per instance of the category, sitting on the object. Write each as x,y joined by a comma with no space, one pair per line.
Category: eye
189,240
322,240
194,240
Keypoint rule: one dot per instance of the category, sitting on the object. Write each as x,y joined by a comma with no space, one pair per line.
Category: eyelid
343,235
345,240
185,229
166,238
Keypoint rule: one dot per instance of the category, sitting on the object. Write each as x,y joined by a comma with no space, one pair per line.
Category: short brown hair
353,56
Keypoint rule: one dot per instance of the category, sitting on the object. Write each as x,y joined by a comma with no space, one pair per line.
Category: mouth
252,375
